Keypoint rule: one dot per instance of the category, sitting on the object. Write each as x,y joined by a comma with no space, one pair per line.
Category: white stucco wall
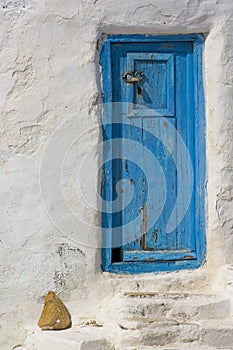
49,84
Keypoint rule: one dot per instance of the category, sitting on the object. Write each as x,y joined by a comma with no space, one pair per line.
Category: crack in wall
158,11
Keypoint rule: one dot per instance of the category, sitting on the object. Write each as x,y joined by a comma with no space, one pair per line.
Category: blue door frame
172,66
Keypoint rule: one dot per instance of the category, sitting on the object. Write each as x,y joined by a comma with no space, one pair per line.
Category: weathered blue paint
173,91
160,70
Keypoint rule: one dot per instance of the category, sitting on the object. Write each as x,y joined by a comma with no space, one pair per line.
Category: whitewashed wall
49,85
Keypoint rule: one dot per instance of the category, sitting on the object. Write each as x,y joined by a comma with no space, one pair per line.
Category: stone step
194,346
158,334
167,335
216,334
70,339
179,307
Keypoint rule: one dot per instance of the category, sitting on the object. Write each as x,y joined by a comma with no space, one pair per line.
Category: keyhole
139,90
155,234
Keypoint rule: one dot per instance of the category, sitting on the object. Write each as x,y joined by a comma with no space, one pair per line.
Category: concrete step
189,346
178,307
167,335
158,334
217,333
70,339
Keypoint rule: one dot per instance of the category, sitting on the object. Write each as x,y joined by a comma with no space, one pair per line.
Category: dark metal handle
130,77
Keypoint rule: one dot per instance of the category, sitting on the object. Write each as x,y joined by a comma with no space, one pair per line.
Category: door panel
150,102
157,85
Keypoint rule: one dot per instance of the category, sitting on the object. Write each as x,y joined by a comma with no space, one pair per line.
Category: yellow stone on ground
54,315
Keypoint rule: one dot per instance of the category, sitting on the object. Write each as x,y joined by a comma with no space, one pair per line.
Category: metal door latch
130,77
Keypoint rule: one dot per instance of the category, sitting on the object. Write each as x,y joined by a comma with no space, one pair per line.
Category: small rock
54,315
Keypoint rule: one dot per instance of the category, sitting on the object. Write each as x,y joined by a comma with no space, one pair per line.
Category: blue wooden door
155,127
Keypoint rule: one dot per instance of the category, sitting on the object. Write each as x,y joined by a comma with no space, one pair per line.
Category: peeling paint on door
155,82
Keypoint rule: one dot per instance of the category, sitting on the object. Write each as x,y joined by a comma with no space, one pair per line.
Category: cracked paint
143,226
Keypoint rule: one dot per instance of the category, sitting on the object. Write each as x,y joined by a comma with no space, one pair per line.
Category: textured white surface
50,73
82,340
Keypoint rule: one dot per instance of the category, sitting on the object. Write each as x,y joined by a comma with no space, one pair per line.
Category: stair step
188,346
158,334
67,339
219,334
179,307
163,335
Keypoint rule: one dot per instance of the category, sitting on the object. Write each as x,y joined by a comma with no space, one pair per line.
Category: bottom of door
132,267
159,256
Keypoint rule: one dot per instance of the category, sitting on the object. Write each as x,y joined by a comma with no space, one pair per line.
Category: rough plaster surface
49,72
